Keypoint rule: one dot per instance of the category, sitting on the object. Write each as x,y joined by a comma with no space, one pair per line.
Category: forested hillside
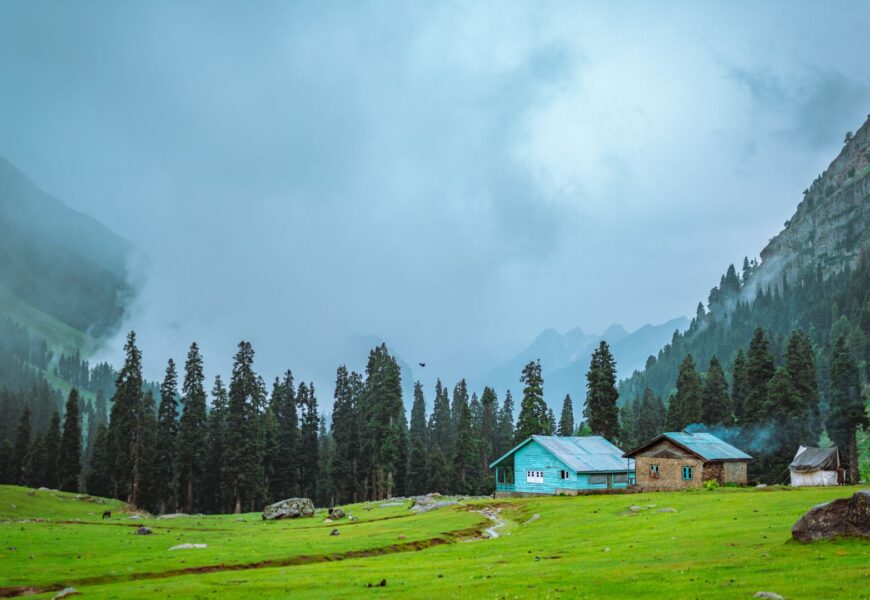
814,278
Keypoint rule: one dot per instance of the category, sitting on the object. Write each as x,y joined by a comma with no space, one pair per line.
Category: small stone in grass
335,532
65,592
768,595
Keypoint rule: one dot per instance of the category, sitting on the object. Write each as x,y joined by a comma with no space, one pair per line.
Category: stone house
680,460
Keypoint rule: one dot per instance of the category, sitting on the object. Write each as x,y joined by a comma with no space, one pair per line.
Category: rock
388,504
532,519
403,537
769,595
31,492
144,531
188,546
422,508
635,508
761,486
336,513
173,516
45,489
335,532
667,510
290,508
65,592
841,517
135,517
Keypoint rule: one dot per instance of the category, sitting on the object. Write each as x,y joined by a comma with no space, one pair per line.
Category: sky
450,177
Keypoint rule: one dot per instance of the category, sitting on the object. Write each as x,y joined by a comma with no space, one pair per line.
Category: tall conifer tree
600,412
192,432
566,419
533,418
418,453
69,467
126,425
847,408
715,402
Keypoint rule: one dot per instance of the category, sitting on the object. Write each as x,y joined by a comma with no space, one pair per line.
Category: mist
451,179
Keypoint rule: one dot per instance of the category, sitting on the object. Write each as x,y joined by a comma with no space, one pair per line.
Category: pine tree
801,366
847,410
488,437
308,446
463,458
740,387
440,424
241,464
285,462
19,452
652,417
785,408
759,371
166,458
125,425
460,399
99,478
69,467
215,498
325,493
52,453
345,435
715,401
566,420
384,422
439,474
192,433
600,412
34,462
533,411
505,434
685,406
418,454
149,482
629,417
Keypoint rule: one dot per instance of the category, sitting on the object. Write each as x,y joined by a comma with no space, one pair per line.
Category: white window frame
563,474
534,476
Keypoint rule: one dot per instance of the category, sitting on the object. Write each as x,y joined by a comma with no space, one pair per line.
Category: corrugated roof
588,454
707,446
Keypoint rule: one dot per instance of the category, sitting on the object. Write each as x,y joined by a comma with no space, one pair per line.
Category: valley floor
729,543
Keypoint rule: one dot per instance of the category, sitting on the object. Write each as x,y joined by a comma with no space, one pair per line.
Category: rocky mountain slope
832,222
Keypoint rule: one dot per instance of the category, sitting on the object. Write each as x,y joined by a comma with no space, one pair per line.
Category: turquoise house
548,464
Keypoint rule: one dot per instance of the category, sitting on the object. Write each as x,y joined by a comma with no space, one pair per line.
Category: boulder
335,532
664,510
173,516
291,508
144,531
840,517
768,595
336,513
65,593
422,508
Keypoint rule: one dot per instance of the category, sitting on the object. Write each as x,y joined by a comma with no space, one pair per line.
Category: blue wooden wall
534,457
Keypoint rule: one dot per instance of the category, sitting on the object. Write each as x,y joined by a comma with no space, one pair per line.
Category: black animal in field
107,514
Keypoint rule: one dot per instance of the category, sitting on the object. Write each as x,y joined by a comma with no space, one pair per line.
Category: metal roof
588,454
705,445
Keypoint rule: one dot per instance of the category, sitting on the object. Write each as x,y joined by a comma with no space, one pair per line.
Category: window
620,478
654,471
564,475
598,480
534,477
687,473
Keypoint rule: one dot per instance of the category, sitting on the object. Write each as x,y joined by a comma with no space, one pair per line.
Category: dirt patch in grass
448,537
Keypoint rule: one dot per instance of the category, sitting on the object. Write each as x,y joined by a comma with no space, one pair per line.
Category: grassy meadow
729,543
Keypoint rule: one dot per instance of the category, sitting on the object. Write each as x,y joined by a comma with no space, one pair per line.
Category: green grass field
729,543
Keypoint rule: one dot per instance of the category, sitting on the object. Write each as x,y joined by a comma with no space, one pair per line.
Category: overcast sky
450,177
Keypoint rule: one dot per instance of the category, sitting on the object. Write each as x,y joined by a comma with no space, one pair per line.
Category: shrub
711,485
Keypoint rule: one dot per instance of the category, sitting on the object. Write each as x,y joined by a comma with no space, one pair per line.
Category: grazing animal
107,514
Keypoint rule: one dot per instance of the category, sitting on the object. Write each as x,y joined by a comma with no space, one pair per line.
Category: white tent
815,467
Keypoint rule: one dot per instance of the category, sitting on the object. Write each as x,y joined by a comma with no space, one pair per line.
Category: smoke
754,439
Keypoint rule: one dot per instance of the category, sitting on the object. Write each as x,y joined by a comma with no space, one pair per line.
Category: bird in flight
422,364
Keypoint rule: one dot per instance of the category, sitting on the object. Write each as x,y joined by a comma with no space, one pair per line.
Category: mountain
57,265
814,275
565,359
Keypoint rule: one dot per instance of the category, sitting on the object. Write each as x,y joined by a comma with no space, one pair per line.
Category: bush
711,485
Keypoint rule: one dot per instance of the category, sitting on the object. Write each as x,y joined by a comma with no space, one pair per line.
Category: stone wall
714,471
735,472
670,473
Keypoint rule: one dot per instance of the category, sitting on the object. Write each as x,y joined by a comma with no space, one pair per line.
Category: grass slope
59,336
723,544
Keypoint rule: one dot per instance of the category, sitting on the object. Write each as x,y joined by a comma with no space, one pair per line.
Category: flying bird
422,364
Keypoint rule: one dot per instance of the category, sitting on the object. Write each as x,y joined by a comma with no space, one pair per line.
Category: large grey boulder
291,508
840,517
336,513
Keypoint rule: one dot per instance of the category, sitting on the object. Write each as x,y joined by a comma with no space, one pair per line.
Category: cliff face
831,224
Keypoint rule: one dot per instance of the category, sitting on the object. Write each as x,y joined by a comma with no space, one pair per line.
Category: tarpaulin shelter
816,467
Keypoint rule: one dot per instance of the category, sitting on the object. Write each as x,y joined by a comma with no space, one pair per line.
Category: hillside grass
58,335
724,544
